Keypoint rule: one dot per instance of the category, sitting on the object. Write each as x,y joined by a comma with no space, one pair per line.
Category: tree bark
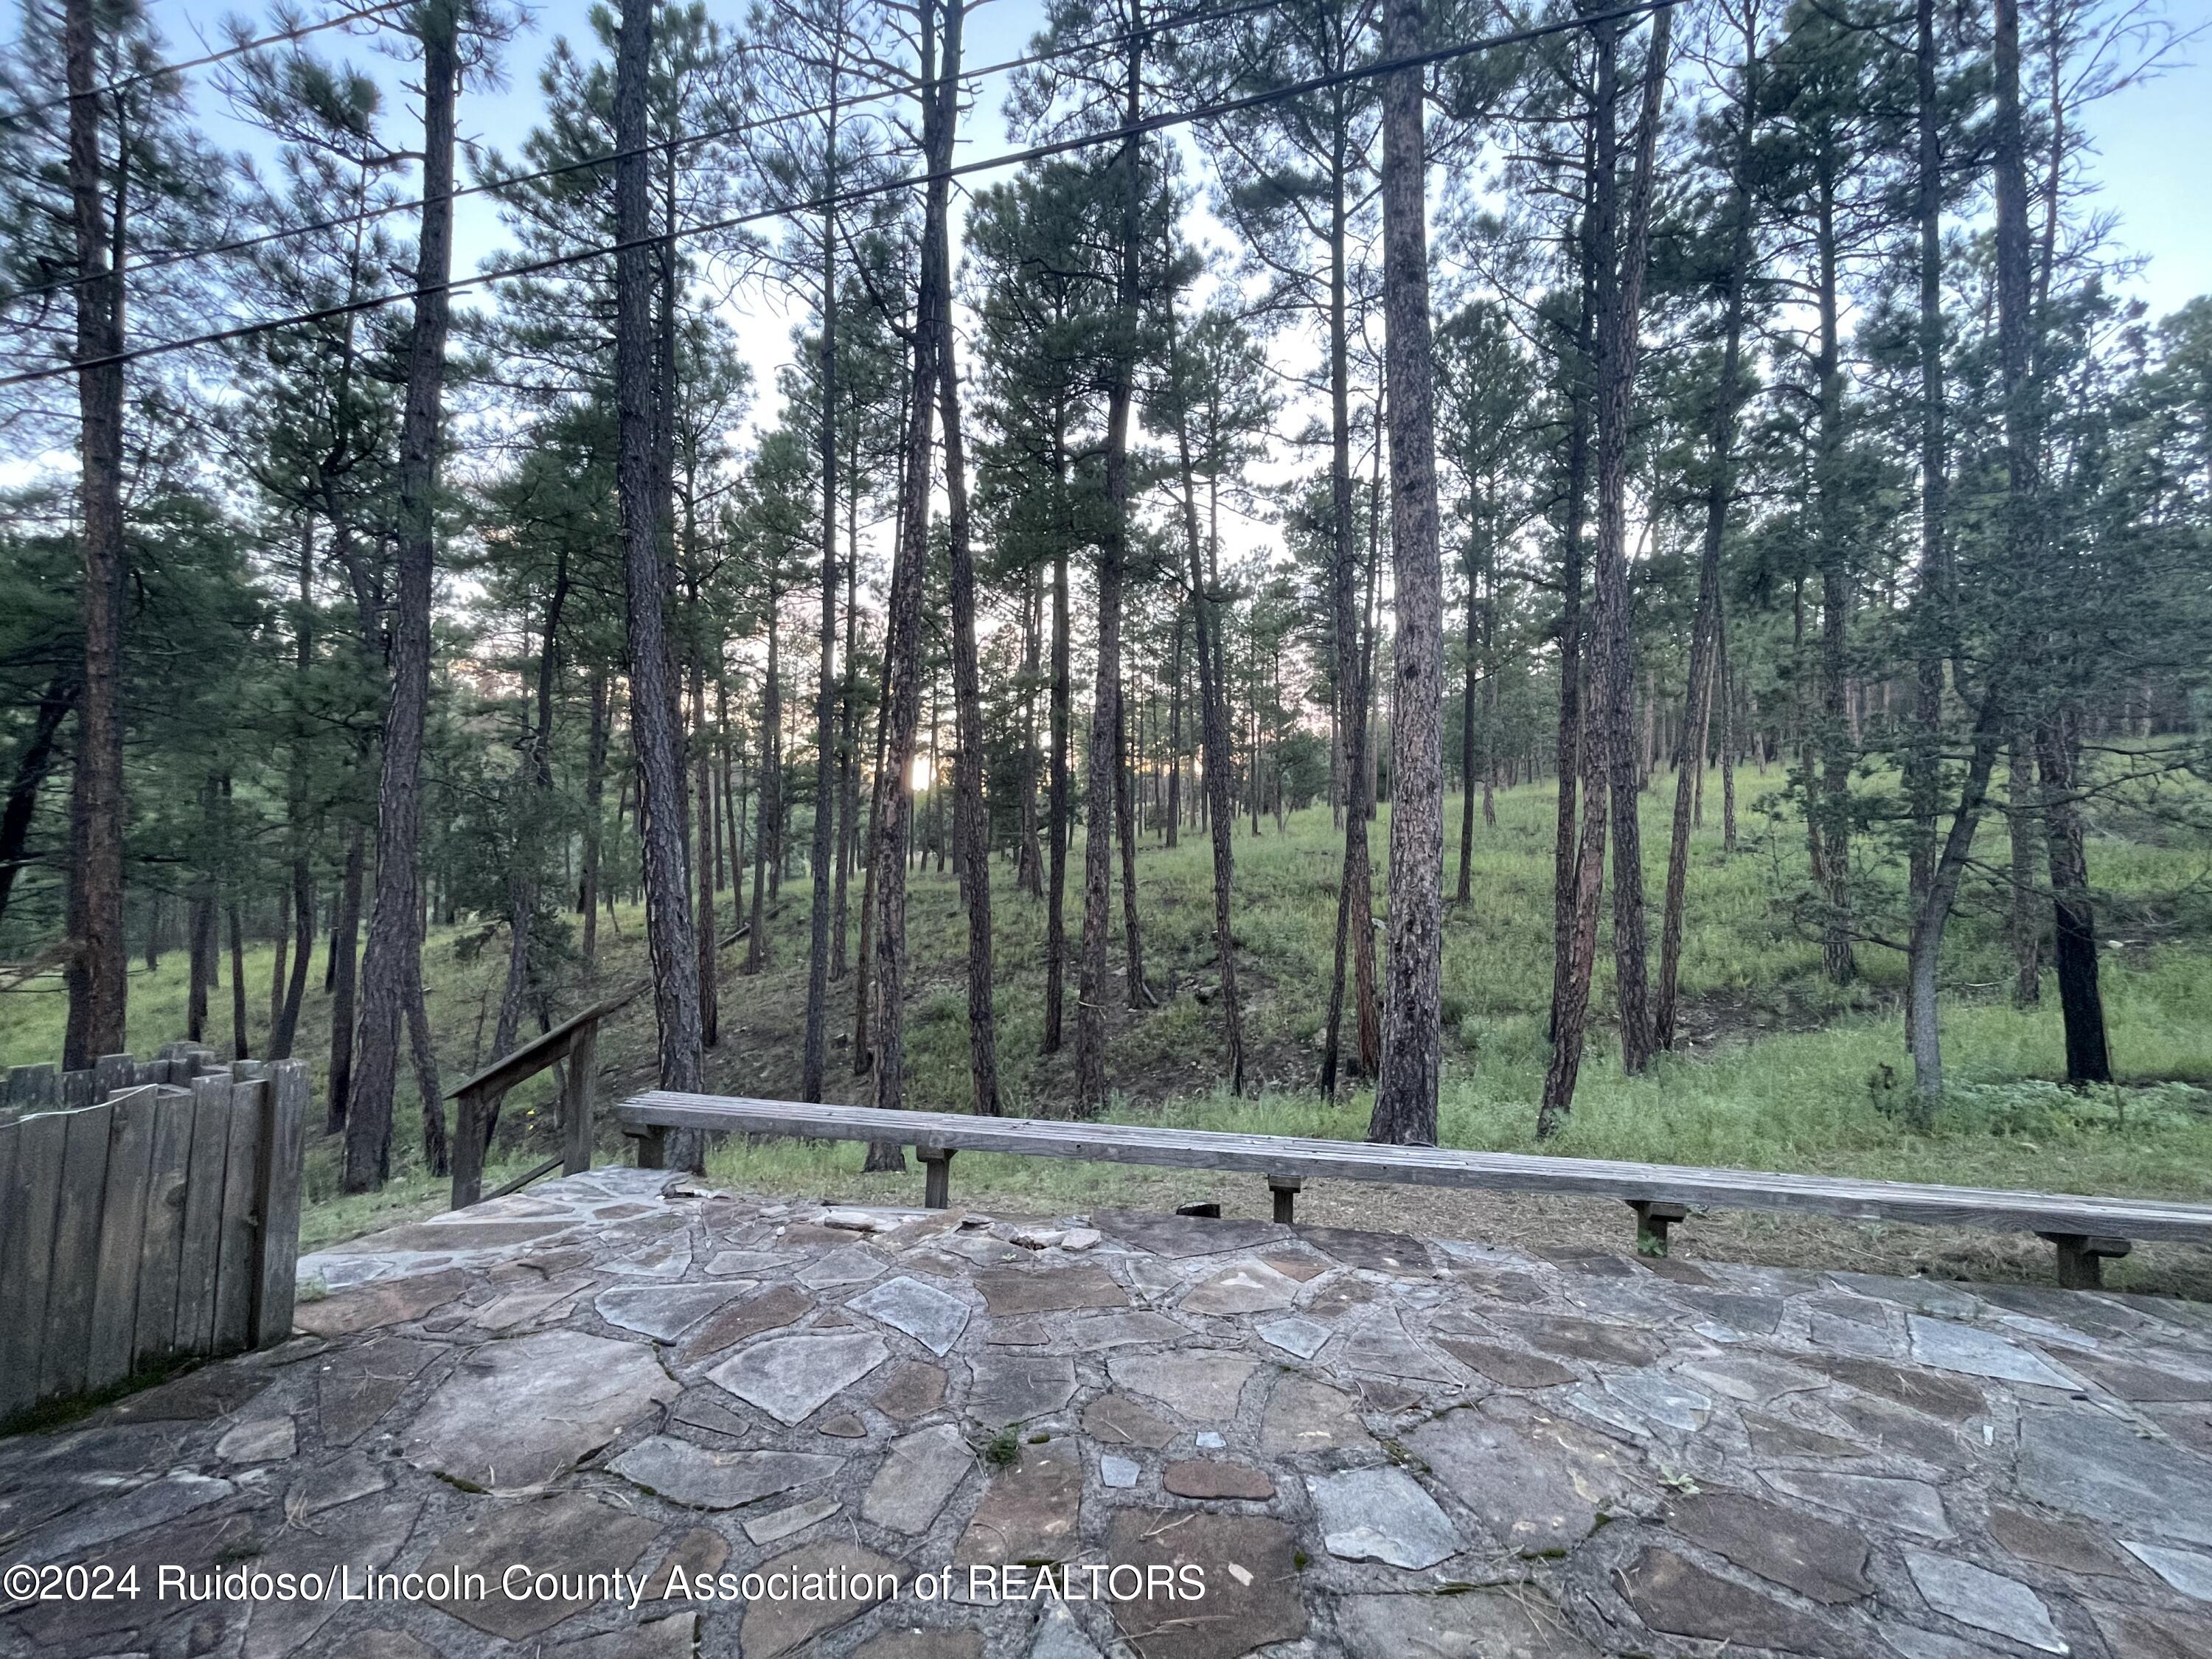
768,832
970,826
2074,929
1573,711
1125,833
1619,304
31,768
1058,828
344,976
1213,728
534,780
390,962
815,1043
1355,901
595,784
2025,919
904,670
670,942
1103,756
241,1040
1406,1087
97,977
1720,491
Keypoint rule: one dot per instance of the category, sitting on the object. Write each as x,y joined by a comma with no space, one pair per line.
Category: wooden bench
2086,1230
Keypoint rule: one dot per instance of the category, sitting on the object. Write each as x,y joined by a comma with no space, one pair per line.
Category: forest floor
1778,1069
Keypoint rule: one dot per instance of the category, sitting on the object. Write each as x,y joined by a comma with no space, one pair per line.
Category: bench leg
936,1176
1653,1218
1286,1190
653,1149
2081,1258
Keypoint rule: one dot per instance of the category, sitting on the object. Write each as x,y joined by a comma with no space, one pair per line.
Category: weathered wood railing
156,1223
575,1041
2085,1230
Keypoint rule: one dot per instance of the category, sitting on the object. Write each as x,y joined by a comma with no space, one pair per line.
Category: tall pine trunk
1406,1086
1619,304
671,943
98,969
1720,491
1103,756
815,1043
904,669
970,826
391,964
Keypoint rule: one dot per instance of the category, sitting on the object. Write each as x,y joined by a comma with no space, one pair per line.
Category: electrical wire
1127,130
239,50
709,135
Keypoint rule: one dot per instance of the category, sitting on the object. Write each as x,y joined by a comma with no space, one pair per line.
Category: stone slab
1010,1389
1381,1515
922,1470
1012,1291
1201,1387
1305,1415
513,1415
922,1311
792,1378
832,1582
1029,1512
567,1533
702,1480
1242,1288
661,1312
1217,1477
1118,1419
1517,1623
1253,1595
766,1310
2091,1463
1987,1600
1674,1595
1821,1561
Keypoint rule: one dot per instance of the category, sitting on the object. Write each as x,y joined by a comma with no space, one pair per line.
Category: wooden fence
157,1220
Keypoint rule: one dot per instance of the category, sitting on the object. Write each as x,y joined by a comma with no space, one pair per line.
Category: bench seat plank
1352,1160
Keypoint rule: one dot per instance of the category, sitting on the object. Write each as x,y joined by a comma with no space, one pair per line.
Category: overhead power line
240,49
687,141
1160,122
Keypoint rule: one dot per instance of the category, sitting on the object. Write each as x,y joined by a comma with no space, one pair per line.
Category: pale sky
2151,141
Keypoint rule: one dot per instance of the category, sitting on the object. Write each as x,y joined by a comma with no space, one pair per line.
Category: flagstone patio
906,1423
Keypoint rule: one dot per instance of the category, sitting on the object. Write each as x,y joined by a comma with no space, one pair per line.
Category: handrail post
469,1150
576,1101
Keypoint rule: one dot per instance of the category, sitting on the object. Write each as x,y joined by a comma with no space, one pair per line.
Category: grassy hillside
1779,1069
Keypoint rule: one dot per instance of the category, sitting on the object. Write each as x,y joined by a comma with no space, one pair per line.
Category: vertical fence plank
239,1249
122,1235
27,1243
66,1348
12,1208
198,1243
111,1072
155,1337
76,1089
283,1139
33,1089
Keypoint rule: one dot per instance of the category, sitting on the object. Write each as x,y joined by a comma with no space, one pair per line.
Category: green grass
1781,1070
